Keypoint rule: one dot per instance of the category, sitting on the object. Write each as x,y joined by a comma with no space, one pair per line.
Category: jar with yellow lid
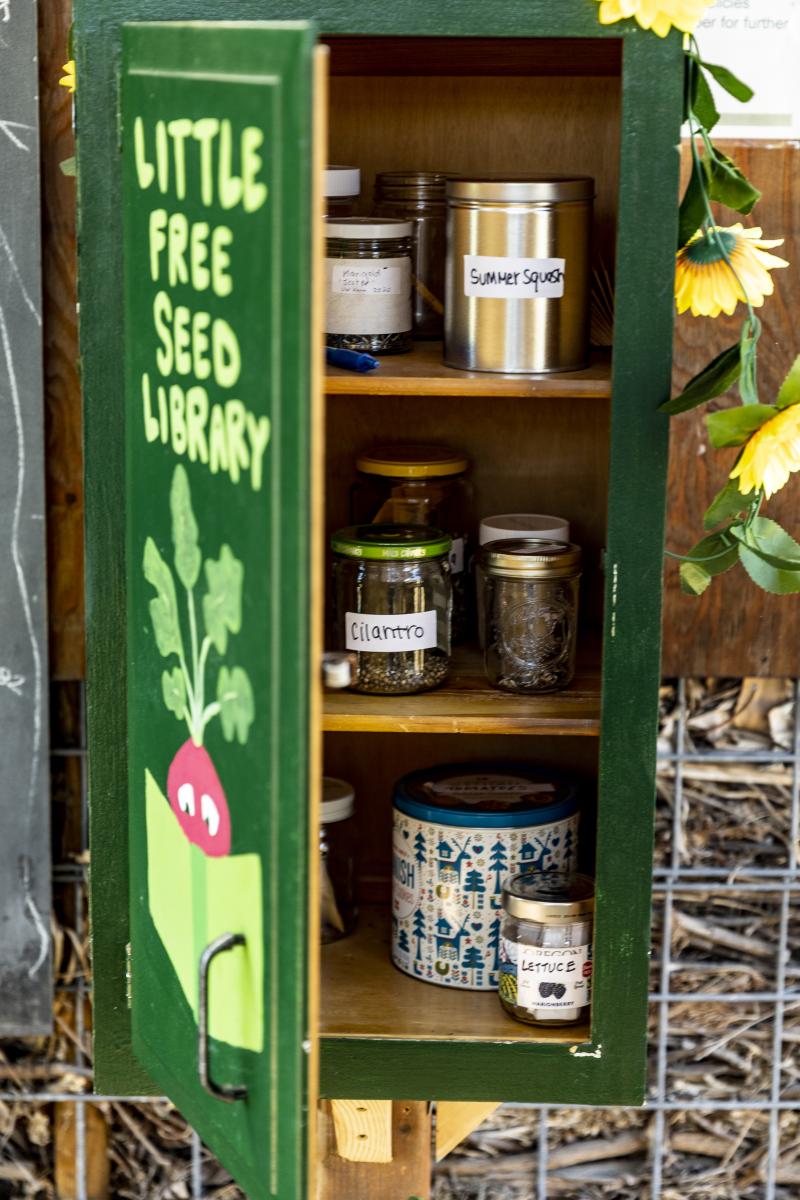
529,607
418,484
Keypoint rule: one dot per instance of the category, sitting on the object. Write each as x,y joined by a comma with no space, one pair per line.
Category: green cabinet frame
610,1068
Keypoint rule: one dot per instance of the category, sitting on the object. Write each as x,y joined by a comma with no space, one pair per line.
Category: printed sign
759,40
513,278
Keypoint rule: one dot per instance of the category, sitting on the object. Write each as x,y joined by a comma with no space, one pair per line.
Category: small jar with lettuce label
392,604
546,947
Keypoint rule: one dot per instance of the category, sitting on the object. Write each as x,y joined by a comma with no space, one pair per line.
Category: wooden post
408,1174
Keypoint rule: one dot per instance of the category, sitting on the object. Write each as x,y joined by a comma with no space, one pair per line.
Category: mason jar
368,284
421,485
419,196
337,852
546,947
391,605
529,606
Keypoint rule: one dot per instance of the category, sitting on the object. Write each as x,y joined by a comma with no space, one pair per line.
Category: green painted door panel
215,123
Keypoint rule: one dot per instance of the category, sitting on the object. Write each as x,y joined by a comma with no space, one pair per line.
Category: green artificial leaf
703,106
711,556
693,207
173,687
727,503
164,606
771,557
733,426
714,380
727,80
771,542
237,709
789,393
748,379
694,578
188,559
222,604
728,185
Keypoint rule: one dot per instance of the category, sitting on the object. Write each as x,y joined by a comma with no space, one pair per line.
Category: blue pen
351,360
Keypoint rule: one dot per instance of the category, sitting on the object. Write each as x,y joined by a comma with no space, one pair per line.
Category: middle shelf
467,704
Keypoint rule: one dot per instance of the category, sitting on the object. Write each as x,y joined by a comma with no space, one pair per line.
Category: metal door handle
221,1091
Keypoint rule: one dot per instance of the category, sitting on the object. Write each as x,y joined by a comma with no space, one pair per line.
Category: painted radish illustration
194,789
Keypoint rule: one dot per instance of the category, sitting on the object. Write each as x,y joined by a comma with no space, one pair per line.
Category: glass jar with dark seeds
392,602
368,284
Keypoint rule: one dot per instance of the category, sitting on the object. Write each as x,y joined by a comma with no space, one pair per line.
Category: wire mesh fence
722,1118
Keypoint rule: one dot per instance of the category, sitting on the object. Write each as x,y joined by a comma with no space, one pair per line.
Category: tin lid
342,181
391,542
368,227
508,189
412,461
530,558
338,800
548,895
487,795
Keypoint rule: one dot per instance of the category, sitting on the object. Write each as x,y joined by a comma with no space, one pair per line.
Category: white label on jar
368,296
550,976
514,278
405,877
382,633
457,556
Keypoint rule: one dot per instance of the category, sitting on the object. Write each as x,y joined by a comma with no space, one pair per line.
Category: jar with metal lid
337,842
391,605
420,485
342,190
529,602
368,284
546,947
420,196
517,274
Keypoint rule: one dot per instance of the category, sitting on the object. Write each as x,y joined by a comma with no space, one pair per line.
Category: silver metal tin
517,277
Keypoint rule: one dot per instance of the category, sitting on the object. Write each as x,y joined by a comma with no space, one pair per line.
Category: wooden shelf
364,995
422,373
467,704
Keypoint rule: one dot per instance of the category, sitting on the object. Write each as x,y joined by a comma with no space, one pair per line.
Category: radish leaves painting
193,786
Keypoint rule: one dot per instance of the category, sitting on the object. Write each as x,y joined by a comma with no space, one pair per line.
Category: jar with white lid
342,190
337,839
546,947
529,605
517,273
368,284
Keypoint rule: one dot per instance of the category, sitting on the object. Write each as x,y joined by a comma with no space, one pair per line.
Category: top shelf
422,373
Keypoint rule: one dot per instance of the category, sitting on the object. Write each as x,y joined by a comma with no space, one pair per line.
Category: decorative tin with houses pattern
459,832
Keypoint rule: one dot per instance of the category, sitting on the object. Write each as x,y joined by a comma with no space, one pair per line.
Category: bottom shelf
364,996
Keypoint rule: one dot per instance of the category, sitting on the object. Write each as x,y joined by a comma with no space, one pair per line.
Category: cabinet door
217,213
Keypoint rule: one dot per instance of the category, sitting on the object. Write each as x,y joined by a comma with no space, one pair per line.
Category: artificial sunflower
67,80
771,455
658,15
705,283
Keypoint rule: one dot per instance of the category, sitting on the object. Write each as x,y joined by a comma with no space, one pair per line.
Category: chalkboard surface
25,973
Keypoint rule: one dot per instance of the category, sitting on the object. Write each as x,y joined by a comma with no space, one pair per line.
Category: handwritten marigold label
379,633
514,278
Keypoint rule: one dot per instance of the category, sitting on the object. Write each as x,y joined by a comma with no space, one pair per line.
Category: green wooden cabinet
209,492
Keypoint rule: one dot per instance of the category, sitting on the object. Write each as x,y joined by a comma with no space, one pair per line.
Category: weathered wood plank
407,1175
735,628
363,1130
